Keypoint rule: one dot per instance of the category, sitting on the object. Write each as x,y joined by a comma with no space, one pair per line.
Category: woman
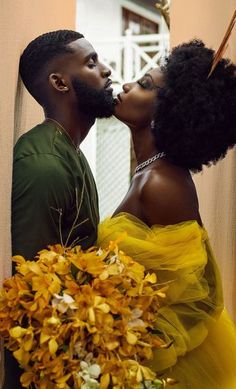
194,125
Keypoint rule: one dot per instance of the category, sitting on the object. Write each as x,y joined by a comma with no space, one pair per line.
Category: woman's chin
119,114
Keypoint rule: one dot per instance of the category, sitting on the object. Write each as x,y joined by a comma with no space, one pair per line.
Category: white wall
101,20
98,18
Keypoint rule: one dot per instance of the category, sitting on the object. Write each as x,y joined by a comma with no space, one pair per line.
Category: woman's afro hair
195,117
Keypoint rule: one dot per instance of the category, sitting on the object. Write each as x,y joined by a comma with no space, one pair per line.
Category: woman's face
135,105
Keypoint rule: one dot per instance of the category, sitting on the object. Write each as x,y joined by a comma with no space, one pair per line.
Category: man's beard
94,103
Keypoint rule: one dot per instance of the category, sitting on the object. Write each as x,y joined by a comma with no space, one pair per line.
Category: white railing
131,56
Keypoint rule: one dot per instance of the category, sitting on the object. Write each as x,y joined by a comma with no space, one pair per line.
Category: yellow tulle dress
203,352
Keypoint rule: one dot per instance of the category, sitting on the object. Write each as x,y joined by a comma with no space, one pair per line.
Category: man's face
89,79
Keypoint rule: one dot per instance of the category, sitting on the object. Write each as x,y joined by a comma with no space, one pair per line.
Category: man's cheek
92,79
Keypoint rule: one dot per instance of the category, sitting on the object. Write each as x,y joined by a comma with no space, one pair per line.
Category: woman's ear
58,82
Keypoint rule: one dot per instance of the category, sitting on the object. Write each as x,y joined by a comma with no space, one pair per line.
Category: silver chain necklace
148,161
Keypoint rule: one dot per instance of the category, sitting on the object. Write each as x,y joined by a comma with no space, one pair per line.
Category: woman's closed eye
145,83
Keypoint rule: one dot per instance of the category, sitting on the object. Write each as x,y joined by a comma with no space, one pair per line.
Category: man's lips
108,84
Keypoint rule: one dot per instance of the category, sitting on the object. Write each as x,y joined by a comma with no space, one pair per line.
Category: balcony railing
131,56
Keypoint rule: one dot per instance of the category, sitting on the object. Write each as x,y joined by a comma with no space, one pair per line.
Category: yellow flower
52,317
27,378
152,278
99,304
105,381
53,346
131,338
88,262
134,369
133,269
22,357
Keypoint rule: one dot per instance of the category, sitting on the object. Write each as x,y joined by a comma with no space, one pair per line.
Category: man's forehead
82,47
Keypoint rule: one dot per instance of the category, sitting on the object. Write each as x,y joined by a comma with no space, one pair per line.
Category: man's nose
106,72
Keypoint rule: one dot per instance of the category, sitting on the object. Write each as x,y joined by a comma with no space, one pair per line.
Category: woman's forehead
156,75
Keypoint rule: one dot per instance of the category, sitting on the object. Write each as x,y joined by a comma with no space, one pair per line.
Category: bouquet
82,319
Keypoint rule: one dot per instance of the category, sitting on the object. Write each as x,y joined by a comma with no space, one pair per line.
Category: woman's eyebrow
156,86
149,75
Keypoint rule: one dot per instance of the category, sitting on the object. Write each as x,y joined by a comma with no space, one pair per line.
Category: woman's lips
119,98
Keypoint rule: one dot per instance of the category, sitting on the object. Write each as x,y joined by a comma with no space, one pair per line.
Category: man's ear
58,82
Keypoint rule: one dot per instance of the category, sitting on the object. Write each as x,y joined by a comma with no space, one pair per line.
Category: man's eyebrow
92,55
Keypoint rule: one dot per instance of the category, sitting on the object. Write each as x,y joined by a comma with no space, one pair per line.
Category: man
54,197
51,177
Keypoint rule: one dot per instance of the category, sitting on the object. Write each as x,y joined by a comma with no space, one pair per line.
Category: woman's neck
144,144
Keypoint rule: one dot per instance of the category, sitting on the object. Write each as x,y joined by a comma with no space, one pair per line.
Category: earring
152,124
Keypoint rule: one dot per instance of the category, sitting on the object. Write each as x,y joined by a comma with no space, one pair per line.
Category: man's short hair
40,52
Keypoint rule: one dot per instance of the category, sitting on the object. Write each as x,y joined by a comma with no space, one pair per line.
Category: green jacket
54,196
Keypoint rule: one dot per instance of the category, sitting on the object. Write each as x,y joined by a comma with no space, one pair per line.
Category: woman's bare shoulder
168,195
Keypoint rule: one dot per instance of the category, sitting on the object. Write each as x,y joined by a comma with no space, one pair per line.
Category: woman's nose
126,87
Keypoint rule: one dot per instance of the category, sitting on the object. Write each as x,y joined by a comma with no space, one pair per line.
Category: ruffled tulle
203,352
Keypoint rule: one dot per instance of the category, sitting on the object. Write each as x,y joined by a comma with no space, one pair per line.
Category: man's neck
75,124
